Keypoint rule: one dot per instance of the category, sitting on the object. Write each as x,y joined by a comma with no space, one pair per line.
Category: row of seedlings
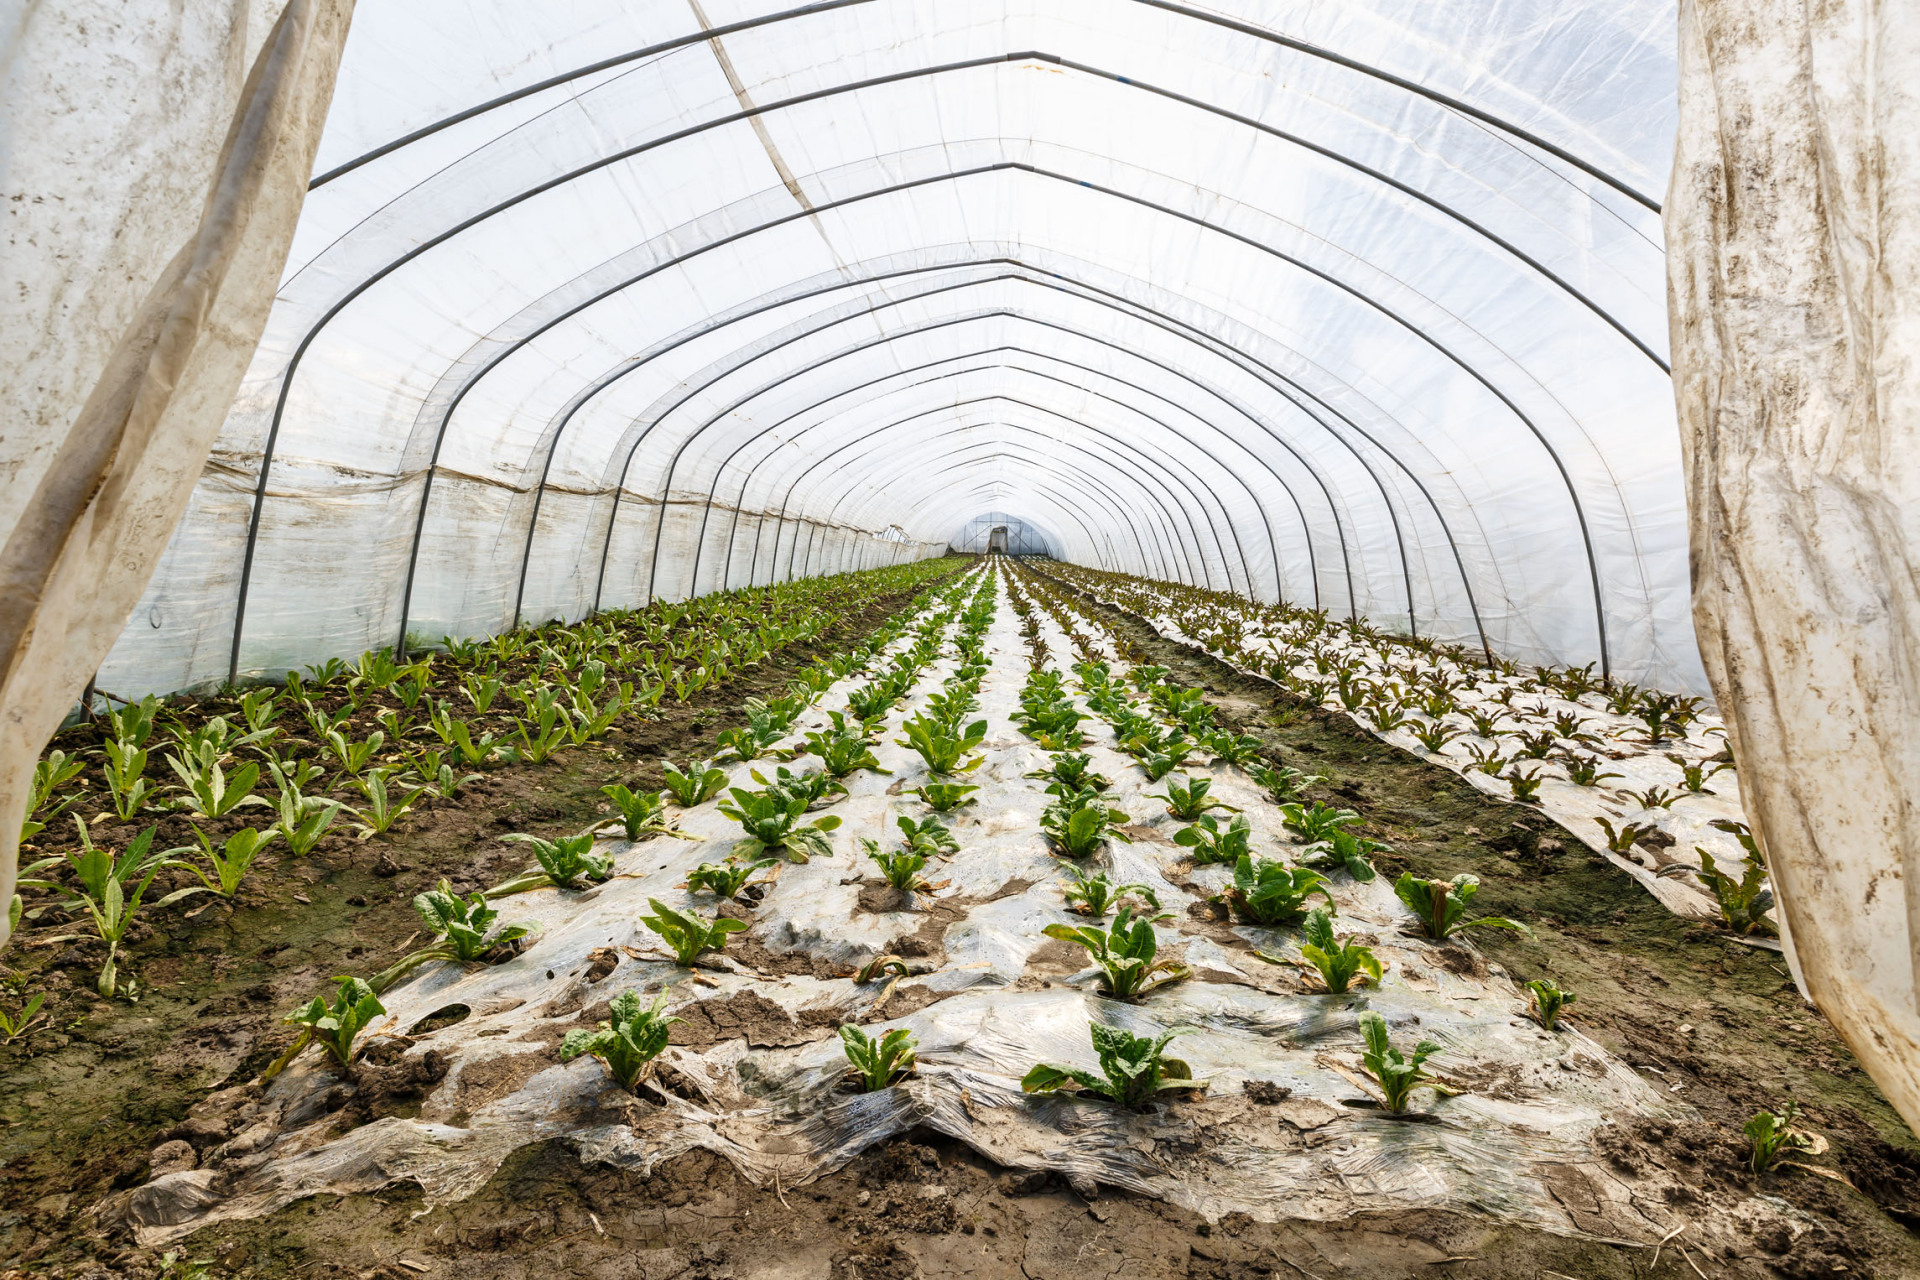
772,819
1519,726
1440,907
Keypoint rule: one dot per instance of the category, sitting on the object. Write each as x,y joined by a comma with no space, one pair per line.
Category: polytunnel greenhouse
880,639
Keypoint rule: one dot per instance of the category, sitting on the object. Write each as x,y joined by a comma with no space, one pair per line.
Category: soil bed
1717,1023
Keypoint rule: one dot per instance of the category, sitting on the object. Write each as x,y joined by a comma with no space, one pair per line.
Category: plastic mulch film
759,1077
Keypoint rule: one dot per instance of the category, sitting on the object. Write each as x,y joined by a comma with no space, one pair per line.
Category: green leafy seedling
1134,1070
1073,771
726,879
561,862
1079,823
1284,784
1630,833
699,784
943,797
811,785
1095,895
1396,1075
13,1026
878,1064
1771,1135
1743,903
628,1042
1548,1000
642,813
1212,842
1337,963
1271,893
1189,802
333,1026
1126,954
688,935
465,927
900,867
945,752
771,823
1317,822
231,861
1442,905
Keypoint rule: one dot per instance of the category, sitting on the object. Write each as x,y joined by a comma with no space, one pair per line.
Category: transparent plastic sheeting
1519,1147
1358,305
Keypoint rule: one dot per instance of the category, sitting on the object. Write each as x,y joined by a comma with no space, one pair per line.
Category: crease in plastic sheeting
777,1114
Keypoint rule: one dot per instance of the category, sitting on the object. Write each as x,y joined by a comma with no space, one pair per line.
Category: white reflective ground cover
1359,304
1520,1145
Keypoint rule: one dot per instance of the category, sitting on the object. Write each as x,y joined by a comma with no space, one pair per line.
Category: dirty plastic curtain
1359,306
1794,243
154,164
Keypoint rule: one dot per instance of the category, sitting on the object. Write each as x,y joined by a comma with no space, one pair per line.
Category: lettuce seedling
1441,905
943,797
944,751
878,1064
561,860
231,861
1316,823
688,935
1348,850
900,867
1338,963
13,1026
1212,843
1160,756
1133,1069
1434,737
1285,784
699,784
1236,749
1095,895
810,785
772,823
1126,954
383,809
929,836
726,879
842,749
1271,893
1078,823
1583,771
1189,802
643,813
1397,1076
1627,836
628,1042
1771,1135
464,927
1743,903
1695,774
333,1026
1547,1001
1525,786
124,767
1073,771
210,792
1655,797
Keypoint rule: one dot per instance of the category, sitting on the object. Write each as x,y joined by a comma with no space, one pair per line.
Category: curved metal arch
1353,291
1359,295
1272,543
1161,542
1041,461
1287,42
1083,291
1146,469
1085,491
1004,449
883,304
680,450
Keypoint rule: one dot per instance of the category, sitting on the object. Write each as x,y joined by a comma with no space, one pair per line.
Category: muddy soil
85,1098
1715,1022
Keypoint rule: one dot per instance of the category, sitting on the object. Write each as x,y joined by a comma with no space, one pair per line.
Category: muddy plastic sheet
1623,751
997,997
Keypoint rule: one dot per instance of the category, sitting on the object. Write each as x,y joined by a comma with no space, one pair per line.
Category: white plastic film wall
1358,305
